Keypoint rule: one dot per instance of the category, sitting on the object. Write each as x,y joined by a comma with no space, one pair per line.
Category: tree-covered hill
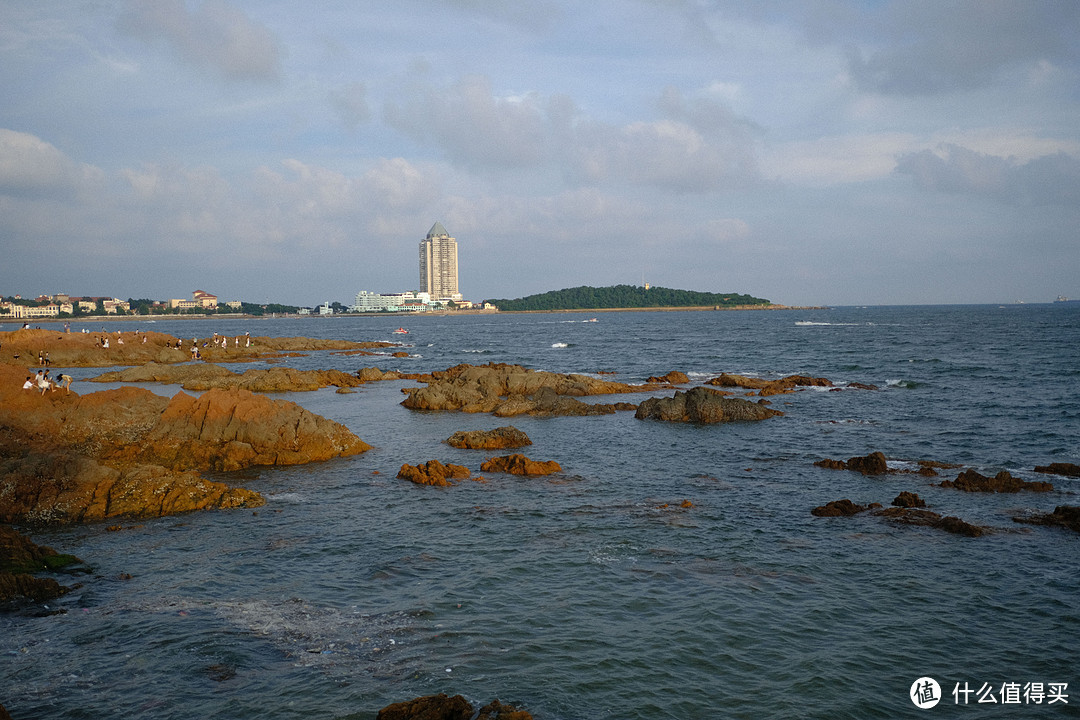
623,296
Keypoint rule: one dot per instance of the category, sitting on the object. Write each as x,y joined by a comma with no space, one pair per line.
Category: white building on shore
411,301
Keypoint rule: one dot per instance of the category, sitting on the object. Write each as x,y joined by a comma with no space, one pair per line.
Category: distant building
199,299
411,301
439,265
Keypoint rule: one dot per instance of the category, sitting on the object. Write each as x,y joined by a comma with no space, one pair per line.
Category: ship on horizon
1063,299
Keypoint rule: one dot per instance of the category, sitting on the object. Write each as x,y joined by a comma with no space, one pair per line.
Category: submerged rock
927,518
768,387
672,378
1003,482
1066,516
702,405
500,438
1064,469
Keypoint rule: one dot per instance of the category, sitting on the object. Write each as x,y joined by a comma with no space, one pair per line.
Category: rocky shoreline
128,453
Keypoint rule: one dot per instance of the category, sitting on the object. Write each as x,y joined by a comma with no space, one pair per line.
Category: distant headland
630,297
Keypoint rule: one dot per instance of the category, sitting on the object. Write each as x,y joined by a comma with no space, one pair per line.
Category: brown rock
1065,469
830,464
509,388
872,464
672,378
520,465
19,557
85,349
908,500
768,387
702,405
500,438
1003,482
431,707
495,710
130,452
838,508
1066,516
206,376
434,473
232,429
926,518
20,588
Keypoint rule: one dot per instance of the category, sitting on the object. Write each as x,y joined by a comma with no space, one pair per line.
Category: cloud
471,125
350,104
699,146
214,35
1046,180
31,167
921,47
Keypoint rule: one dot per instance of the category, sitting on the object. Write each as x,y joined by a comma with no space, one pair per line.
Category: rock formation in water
128,348
768,387
518,464
20,559
1066,516
66,457
702,405
501,438
872,464
1003,482
509,390
207,376
902,514
839,508
672,378
444,707
434,473
1063,469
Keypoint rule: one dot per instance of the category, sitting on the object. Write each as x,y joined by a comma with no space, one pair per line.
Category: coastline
444,313
693,308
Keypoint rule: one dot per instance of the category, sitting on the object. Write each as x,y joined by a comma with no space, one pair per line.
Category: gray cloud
214,35
471,125
932,46
699,146
31,167
350,104
1047,180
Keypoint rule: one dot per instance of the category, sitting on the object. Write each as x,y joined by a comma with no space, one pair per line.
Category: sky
836,152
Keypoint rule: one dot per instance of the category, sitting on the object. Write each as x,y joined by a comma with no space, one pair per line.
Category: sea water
593,593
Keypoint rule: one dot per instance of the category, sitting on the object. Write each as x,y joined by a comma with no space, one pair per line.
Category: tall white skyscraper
438,265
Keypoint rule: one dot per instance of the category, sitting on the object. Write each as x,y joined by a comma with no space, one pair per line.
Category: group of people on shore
44,383
221,341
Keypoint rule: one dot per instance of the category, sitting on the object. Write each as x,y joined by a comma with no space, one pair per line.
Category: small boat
401,331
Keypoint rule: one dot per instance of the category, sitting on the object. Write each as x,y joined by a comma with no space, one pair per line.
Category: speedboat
401,331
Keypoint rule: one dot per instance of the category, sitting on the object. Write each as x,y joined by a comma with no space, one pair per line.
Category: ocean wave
560,345
905,384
